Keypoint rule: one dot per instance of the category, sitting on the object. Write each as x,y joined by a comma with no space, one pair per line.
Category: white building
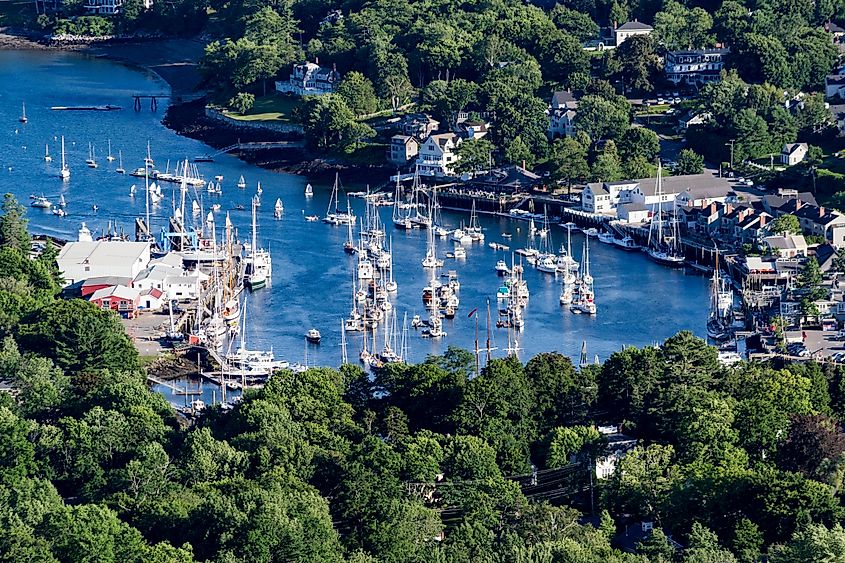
618,446
630,29
110,7
793,153
697,190
82,260
695,67
437,155
633,213
310,79
561,112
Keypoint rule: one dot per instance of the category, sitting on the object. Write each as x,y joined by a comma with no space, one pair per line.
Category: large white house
793,153
695,67
437,155
561,112
629,29
90,259
310,79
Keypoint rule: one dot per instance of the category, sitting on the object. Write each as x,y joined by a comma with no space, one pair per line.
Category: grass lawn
273,107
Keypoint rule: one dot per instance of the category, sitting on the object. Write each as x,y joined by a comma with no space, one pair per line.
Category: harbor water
639,302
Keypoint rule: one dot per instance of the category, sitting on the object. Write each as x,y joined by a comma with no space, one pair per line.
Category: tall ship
720,317
664,242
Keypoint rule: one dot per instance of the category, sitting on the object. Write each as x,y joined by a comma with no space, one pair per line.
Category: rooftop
103,252
119,291
634,26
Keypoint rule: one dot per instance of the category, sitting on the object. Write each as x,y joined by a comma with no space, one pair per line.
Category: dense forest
427,462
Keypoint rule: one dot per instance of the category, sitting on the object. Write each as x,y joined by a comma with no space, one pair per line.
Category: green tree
811,542
242,102
689,162
78,337
603,118
679,27
569,161
810,279
13,231
638,64
519,153
358,93
474,155
639,142
785,224
329,123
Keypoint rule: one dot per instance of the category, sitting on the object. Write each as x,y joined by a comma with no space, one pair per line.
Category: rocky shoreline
188,119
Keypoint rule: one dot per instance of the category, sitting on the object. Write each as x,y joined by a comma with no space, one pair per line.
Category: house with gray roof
310,79
630,29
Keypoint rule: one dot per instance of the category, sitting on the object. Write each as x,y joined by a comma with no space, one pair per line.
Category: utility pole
731,143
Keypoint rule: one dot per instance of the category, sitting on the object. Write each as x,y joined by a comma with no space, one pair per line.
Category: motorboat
591,232
59,212
626,243
41,202
460,252
606,237
502,268
313,336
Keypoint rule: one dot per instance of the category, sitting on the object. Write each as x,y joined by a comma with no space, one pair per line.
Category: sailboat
241,183
309,191
662,248
64,173
721,305
584,301
336,216
419,219
260,262
62,202
23,118
120,169
401,219
278,209
47,157
91,162
474,229
110,157
148,161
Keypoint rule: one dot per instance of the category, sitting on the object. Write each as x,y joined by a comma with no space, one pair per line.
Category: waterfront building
110,7
562,110
437,155
419,125
83,260
152,300
787,246
822,222
402,149
693,189
695,67
793,153
630,29
632,213
124,300
310,79
92,285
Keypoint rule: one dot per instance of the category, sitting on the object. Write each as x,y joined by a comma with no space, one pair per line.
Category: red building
124,300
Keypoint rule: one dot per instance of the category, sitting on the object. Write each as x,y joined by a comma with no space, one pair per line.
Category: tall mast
147,191
488,332
254,236
64,166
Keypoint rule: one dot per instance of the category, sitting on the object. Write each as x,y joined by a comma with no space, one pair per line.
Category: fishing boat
664,248
313,336
460,252
278,209
334,216
91,161
591,232
241,183
41,202
309,191
120,169
47,157
502,268
23,118
110,156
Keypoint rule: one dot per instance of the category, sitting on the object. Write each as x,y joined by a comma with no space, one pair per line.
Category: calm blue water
639,302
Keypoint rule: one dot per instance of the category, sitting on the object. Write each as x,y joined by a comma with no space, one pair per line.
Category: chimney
713,208
523,164
762,219
317,61
821,211
798,203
